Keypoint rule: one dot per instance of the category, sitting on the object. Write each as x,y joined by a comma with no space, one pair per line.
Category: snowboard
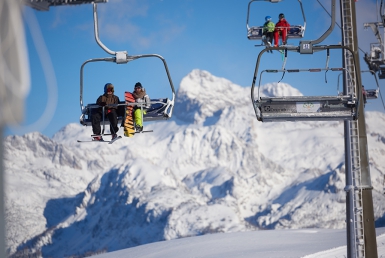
129,129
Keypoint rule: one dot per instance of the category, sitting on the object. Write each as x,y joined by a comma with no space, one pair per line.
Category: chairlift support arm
307,46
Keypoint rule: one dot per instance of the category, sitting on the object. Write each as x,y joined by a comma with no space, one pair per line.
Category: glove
102,104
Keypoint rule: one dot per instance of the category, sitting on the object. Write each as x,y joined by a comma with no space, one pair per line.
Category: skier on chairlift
281,28
268,32
106,100
140,96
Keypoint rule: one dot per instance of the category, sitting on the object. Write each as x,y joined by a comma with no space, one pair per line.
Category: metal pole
370,246
367,199
2,208
350,239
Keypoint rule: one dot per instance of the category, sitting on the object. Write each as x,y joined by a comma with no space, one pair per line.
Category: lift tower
361,237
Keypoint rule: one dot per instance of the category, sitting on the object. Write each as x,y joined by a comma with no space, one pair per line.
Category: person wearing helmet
281,28
107,100
140,96
268,31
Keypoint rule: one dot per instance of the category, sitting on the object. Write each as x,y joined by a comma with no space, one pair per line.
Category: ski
114,140
149,131
91,141
109,142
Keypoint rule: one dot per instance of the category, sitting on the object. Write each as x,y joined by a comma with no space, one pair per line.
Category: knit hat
138,84
108,87
281,15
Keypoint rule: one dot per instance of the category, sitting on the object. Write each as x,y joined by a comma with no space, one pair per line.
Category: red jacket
282,24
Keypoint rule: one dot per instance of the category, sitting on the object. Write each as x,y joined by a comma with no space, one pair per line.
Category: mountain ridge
212,168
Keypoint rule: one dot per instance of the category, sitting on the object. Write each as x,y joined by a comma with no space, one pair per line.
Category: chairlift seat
306,108
160,109
295,31
372,93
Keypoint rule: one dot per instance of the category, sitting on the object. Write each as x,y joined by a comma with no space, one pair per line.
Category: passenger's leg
96,117
113,117
284,36
276,39
138,117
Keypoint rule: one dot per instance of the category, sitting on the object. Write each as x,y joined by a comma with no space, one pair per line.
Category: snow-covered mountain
212,168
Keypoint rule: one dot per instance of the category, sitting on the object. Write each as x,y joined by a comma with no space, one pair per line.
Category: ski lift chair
160,109
372,93
303,108
295,31
376,59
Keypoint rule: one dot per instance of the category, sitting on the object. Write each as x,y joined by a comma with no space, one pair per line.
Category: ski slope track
212,168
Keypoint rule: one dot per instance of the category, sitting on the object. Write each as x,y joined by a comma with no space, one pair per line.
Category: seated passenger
108,98
140,96
281,28
268,31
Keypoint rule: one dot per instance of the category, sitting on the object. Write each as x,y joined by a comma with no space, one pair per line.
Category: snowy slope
213,168
306,243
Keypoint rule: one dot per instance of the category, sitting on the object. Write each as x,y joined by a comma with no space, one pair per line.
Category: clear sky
189,34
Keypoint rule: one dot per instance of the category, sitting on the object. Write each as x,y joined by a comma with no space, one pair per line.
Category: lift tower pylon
361,235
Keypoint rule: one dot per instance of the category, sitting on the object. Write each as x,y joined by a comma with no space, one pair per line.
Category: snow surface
213,168
306,243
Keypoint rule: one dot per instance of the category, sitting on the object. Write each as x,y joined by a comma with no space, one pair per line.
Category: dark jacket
108,100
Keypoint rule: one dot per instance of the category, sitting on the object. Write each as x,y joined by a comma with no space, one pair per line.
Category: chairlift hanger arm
131,58
374,26
96,30
106,59
122,56
307,47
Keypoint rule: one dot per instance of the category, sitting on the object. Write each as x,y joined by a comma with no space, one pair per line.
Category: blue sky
189,34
